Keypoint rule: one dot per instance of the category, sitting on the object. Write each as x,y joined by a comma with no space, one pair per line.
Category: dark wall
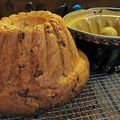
18,5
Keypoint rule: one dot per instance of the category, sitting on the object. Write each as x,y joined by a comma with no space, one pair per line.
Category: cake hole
33,97
61,43
31,50
47,27
38,73
21,36
64,74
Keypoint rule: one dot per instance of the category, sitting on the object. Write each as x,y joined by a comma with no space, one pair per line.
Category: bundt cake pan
40,66
97,33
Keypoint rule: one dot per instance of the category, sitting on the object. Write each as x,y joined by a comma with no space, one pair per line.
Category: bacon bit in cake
31,50
6,27
38,73
19,78
21,66
48,29
61,43
24,93
77,79
21,36
74,87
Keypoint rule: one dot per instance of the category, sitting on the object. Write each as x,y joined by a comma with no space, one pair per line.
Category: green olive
109,31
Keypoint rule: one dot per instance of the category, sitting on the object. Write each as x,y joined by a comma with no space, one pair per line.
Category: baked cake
40,66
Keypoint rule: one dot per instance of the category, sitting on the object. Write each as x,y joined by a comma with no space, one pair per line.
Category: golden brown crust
39,64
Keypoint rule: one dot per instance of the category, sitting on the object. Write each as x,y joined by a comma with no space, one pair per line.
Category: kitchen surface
52,73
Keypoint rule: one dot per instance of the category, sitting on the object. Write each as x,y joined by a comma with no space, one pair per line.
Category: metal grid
99,100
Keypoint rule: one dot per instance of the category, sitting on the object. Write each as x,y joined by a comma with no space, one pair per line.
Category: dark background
19,5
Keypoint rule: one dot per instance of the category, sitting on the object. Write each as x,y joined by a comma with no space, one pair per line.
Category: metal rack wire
99,100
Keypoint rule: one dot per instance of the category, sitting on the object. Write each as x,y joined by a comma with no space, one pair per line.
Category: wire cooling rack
99,100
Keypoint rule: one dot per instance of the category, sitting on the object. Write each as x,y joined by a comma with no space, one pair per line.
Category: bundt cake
40,66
